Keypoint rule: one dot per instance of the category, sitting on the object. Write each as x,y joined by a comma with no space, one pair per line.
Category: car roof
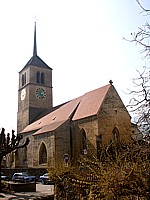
20,173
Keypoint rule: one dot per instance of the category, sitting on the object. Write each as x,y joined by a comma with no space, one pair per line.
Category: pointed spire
35,47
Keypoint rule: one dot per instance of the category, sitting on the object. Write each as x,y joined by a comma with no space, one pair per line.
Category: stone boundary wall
22,187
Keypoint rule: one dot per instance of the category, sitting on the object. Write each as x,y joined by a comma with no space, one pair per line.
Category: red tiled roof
91,103
84,106
49,127
55,118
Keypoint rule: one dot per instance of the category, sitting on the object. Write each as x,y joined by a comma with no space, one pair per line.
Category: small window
115,135
84,143
38,77
23,79
43,154
42,78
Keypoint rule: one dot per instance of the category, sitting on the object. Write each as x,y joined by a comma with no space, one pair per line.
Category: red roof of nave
81,107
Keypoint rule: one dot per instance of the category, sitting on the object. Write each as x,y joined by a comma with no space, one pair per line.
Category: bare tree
9,144
140,101
142,36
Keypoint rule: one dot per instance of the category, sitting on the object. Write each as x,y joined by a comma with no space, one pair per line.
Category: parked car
19,177
4,177
31,178
45,180
23,177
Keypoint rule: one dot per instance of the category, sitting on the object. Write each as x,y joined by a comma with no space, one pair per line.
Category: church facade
59,135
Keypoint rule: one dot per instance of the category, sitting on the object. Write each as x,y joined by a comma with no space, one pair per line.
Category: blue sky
82,40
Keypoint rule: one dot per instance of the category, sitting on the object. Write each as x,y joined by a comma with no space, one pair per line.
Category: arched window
42,78
42,154
23,79
38,77
115,133
84,145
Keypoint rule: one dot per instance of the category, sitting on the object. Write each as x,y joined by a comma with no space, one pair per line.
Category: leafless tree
140,101
142,36
9,144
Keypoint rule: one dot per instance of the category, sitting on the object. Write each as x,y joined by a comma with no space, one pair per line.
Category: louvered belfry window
40,77
23,79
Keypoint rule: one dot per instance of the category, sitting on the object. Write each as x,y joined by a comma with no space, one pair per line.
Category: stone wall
90,126
49,141
113,114
62,141
22,187
31,106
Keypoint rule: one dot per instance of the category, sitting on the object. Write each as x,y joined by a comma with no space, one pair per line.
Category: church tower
35,89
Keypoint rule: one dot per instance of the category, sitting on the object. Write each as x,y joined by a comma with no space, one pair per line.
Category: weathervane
35,19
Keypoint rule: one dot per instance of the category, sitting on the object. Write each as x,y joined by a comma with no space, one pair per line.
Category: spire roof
35,46
35,60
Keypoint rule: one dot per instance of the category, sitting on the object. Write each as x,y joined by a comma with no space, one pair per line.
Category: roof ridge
97,89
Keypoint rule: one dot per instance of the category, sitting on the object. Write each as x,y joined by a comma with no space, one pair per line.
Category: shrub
123,175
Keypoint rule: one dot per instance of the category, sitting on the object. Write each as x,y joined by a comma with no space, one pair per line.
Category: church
59,135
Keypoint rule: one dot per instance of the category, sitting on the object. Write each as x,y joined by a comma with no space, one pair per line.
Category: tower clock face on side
23,94
40,93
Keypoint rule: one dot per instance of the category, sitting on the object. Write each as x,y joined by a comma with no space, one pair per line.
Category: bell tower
35,89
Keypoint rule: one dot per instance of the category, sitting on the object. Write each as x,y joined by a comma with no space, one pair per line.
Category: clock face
40,93
23,94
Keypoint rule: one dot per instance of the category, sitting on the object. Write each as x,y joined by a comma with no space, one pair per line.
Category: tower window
23,79
38,77
42,78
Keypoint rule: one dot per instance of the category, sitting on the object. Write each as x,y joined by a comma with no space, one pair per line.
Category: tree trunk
1,158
